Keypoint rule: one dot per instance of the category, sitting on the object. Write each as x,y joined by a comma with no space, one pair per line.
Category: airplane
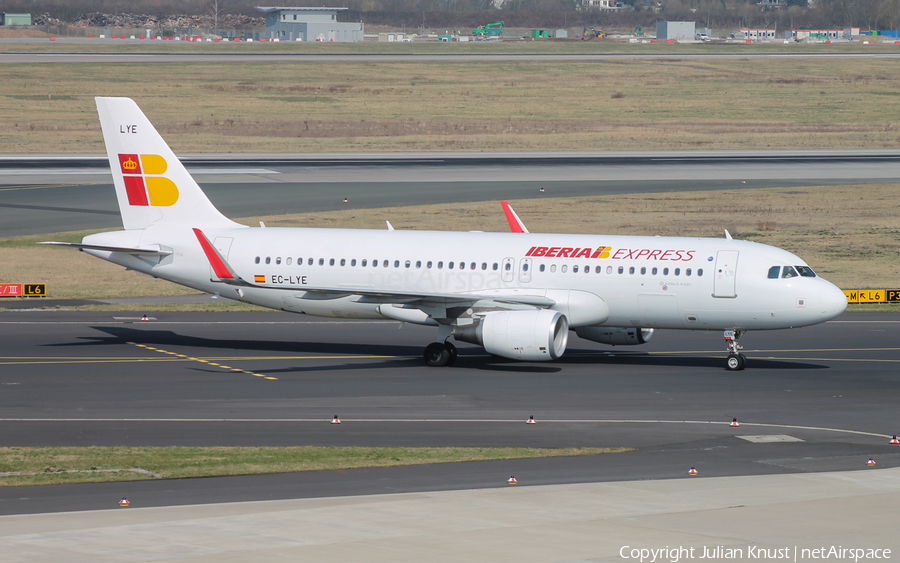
517,294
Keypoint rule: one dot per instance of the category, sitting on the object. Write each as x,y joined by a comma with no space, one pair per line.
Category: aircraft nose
833,300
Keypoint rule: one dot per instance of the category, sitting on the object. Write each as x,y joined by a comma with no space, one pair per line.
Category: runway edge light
124,502
871,462
894,440
530,420
335,420
734,423
511,480
693,471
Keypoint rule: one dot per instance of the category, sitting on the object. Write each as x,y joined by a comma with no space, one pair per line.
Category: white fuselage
651,282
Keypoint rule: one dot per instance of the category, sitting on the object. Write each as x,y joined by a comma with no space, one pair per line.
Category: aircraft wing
152,250
226,274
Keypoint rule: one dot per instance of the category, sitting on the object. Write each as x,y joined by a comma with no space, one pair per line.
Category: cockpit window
773,272
806,271
789,272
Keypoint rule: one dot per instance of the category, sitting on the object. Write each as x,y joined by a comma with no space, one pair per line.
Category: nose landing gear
735,361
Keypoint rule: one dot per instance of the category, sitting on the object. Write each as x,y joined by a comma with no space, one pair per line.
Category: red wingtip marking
514,225
218,266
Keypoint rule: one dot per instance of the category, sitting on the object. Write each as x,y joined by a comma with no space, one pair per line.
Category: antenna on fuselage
727,235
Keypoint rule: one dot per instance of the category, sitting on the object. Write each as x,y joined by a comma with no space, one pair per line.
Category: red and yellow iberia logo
566,252
144,182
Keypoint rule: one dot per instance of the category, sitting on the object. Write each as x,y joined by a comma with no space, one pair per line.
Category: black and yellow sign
34,289
872,295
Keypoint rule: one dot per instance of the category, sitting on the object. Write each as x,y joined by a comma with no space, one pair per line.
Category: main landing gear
438,354
735,361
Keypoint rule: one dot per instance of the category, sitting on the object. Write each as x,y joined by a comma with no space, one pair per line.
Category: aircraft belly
660,311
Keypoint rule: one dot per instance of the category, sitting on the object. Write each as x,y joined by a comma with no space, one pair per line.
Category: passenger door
724,278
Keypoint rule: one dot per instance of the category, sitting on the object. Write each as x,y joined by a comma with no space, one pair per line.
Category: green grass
47,466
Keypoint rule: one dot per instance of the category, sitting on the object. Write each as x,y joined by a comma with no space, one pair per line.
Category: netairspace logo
719,553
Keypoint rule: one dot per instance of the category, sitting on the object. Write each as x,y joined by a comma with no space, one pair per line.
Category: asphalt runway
219,379
41,194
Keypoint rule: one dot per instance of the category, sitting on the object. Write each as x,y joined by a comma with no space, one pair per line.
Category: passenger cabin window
575,269
507,266
542,267
343,261
288,261
440,265
278,260
385,264
598,269
309,262
495,266
428,264
321,261
773,272
256,261
268,259
364,263
353,262
331,262
789,272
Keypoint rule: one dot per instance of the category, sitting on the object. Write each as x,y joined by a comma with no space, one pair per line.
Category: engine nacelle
539,335
615,336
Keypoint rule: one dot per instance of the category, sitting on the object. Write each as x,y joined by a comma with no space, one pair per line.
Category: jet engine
615,336
538,335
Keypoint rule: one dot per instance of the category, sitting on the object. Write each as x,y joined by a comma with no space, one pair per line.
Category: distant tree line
464,14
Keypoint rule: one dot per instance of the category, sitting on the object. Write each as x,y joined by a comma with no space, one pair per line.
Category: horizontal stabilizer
153,250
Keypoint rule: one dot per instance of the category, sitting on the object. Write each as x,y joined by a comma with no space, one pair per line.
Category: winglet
515,224
220,267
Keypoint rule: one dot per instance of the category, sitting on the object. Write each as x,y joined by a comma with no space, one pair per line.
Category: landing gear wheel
735,362
437,354
451,349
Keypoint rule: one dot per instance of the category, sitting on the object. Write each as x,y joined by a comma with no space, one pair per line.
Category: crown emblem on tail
129,164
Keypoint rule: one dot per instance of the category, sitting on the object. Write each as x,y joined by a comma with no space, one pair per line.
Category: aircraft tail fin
152,186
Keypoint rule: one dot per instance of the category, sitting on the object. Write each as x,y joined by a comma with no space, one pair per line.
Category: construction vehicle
588,35
492,29
638,31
